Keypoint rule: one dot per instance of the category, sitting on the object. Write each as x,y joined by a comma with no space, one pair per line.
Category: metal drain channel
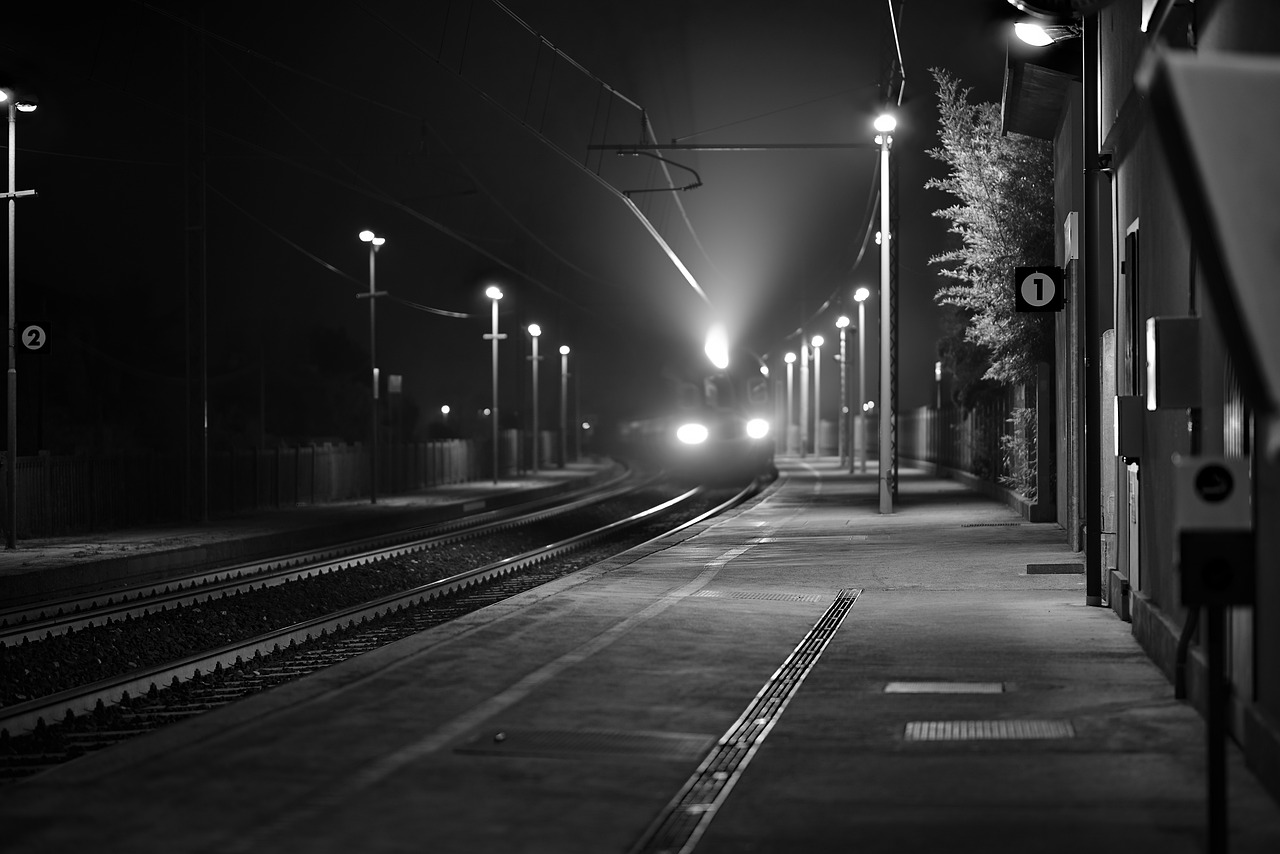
679,826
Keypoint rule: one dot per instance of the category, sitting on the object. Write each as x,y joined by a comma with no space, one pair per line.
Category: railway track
64,725
40,620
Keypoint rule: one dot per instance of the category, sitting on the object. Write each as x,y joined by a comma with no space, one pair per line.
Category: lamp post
860,427
817,393
26,105
374,242
534,331
842,323
564,404
884,124
804,397
791,367
494,293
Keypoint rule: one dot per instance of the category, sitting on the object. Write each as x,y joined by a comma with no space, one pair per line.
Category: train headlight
692,434
757,428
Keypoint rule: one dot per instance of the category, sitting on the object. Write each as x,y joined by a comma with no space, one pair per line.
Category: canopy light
1032,34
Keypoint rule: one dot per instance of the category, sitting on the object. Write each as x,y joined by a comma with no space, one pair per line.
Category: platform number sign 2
1038,288
33,337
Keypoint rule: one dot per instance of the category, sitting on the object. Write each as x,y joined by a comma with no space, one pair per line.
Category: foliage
964,361
1018,449
1004,219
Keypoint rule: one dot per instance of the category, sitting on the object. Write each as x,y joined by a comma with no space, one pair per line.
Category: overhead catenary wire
557,149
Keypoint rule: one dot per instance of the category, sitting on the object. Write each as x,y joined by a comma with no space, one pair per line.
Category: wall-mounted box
1213,530
1130,414
1173,362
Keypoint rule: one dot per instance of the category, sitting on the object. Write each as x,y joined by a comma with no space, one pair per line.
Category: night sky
448,128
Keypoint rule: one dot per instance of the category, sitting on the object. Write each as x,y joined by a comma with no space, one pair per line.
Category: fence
63,495
1003,444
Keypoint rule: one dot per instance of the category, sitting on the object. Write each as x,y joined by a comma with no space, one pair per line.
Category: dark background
448,128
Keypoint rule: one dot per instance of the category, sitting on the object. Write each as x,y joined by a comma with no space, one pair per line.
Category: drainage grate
944,688
568,744
986,730
685,818
991,525
746,594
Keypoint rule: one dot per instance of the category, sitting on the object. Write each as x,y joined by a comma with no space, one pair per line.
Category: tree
1004,219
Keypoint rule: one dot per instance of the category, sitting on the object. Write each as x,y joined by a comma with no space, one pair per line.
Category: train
714,426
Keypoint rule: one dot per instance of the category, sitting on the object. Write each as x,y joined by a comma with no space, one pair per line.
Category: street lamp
817,393
534,331
804,397
25,105
860,427
494,293
842,323
884,125
791,367
374,243
564,404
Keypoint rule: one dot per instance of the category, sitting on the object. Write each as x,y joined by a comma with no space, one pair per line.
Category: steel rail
24,717
37,621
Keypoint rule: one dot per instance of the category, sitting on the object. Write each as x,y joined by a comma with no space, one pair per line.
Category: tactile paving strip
679,826
987,730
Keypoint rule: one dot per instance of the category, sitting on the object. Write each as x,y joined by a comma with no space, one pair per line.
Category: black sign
1038,289
33,336
1213,483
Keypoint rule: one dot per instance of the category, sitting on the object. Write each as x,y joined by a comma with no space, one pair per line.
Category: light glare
717,347
861,294
757,428
692,434
493,292
885,123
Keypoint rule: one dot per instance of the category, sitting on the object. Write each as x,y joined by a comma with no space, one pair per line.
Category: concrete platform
571,718
53,565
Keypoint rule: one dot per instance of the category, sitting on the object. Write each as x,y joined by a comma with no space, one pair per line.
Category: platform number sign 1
33,336
1038,289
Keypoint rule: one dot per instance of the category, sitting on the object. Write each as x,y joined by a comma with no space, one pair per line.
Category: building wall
1169,283
1068,328
1250,26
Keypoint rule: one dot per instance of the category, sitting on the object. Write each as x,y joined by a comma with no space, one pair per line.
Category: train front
720,431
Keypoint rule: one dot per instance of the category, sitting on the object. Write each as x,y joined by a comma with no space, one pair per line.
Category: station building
1158,220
